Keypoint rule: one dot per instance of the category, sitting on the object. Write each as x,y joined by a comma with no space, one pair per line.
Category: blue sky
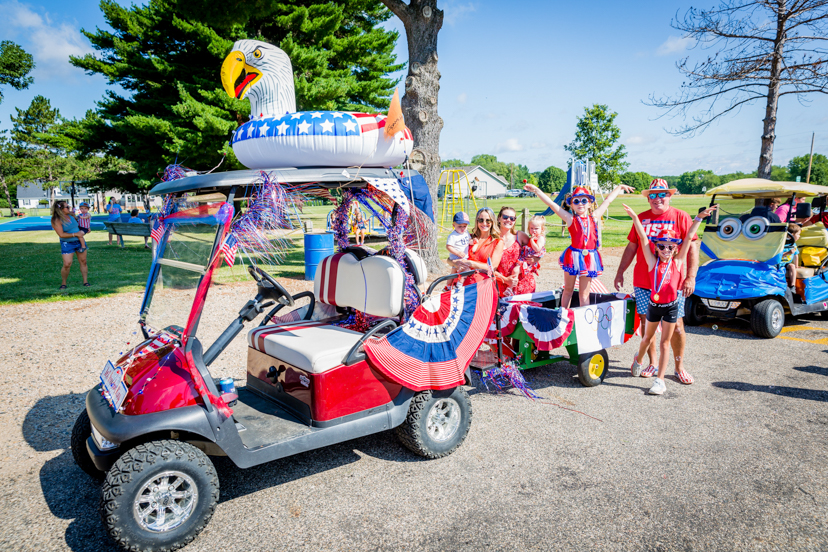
515,77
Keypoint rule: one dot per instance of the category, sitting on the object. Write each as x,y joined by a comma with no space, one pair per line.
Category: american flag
229,249
157,231
595,287
311,123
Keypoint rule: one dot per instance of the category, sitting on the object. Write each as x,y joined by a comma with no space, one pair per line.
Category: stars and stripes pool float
433,349
319,138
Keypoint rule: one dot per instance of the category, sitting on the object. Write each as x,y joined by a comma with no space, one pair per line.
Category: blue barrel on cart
318,245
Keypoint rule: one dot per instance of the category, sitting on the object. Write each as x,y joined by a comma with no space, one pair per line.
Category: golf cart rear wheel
694,311
159,496
592,368
437,422
767,318
80,433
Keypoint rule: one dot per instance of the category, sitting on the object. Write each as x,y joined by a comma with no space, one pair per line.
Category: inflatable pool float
279,136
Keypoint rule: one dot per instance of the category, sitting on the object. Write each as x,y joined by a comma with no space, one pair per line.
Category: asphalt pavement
736,461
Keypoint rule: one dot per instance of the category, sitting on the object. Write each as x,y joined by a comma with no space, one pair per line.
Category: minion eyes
257,53
753,229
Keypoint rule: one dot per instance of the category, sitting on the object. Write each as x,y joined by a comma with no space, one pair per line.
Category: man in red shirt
660,217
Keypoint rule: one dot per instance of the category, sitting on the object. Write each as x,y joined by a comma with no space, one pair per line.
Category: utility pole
811,160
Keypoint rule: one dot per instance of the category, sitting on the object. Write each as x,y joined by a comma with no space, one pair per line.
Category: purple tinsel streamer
270,209
499,379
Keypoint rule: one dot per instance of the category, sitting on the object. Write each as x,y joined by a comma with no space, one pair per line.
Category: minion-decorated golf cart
741,272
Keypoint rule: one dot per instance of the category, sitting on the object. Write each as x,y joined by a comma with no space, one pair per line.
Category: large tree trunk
769,131
8,196
422,21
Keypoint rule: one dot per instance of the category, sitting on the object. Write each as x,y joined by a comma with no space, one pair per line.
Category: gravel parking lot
736,461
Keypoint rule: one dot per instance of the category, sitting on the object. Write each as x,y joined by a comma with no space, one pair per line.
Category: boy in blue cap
458,241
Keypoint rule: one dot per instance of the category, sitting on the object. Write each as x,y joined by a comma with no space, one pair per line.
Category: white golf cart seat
373,285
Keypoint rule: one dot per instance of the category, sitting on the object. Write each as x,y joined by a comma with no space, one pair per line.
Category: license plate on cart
115,390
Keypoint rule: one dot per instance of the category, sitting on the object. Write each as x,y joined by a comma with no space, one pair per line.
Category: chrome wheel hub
165,502
776,319
443,419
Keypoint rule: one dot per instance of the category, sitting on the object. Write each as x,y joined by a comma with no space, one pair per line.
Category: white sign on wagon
600,326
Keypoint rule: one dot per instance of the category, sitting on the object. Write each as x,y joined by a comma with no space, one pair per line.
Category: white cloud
674,44
462,98
511,144
454,11
50,43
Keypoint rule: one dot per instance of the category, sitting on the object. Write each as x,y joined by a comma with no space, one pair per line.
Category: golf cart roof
324,177
759,187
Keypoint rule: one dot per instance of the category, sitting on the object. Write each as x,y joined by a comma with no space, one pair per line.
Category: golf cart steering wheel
268,284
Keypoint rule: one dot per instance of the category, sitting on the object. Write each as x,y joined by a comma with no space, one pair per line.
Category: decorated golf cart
741,274
364,352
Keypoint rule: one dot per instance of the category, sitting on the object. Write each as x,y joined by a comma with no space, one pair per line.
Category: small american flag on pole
157,231
229,249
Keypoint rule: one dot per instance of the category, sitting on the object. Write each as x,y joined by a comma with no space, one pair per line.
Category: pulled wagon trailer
533,327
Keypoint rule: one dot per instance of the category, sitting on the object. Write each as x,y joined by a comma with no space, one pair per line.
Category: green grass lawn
31,260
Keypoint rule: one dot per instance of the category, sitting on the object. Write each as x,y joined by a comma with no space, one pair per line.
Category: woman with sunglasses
72,243
581,260
512,242
486,244
666,277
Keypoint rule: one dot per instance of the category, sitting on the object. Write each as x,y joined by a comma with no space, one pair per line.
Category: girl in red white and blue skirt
580,261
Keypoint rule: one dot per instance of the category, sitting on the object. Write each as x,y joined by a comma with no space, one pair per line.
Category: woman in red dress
486,244
512,242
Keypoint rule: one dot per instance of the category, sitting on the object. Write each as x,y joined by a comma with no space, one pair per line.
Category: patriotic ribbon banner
433,349
548,328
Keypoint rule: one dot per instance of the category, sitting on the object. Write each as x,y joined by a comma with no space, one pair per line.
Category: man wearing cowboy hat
658,218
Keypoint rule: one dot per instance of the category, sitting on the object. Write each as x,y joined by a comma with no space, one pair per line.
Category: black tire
415,434
592,368
767,318
80,433
694,311
136,471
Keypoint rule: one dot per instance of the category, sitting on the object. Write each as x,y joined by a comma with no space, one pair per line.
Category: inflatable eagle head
262,73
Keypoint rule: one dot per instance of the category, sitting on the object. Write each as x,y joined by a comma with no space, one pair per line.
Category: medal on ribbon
663,277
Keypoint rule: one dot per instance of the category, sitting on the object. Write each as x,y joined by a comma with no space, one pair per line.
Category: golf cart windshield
182,259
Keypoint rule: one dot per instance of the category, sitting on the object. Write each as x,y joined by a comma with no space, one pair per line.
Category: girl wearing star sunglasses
665,269
581,260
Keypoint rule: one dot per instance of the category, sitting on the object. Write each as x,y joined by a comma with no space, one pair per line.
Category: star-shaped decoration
303,127
337,115
316,115
350,126
282,128
263,129
327,126
296,115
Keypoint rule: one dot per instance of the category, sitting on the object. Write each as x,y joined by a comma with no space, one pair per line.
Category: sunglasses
660,195
63,206
665,246
484,221
507,217
580,201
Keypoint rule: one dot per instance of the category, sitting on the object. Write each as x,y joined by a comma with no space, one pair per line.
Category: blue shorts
642,301
69,247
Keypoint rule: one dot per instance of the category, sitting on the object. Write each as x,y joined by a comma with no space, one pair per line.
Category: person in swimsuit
72,243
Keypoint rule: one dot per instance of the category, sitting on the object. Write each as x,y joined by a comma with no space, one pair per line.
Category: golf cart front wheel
437,422
159,496
694,311
80,433
592,368
767,318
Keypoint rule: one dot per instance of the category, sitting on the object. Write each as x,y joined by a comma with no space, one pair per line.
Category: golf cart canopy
323,177
759,187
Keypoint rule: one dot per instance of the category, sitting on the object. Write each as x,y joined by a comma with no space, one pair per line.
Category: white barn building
488,184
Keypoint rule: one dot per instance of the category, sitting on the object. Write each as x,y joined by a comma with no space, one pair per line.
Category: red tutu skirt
582,262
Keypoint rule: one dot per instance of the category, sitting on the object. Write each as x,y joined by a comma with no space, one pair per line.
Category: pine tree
167,56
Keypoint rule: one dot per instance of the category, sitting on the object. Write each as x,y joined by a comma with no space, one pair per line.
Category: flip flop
62,287
684,377
87,284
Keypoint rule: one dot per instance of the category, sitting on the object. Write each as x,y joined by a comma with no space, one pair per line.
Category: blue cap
461,218
84,204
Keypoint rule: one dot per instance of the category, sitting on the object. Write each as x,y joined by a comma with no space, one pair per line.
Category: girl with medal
665,282
581,260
